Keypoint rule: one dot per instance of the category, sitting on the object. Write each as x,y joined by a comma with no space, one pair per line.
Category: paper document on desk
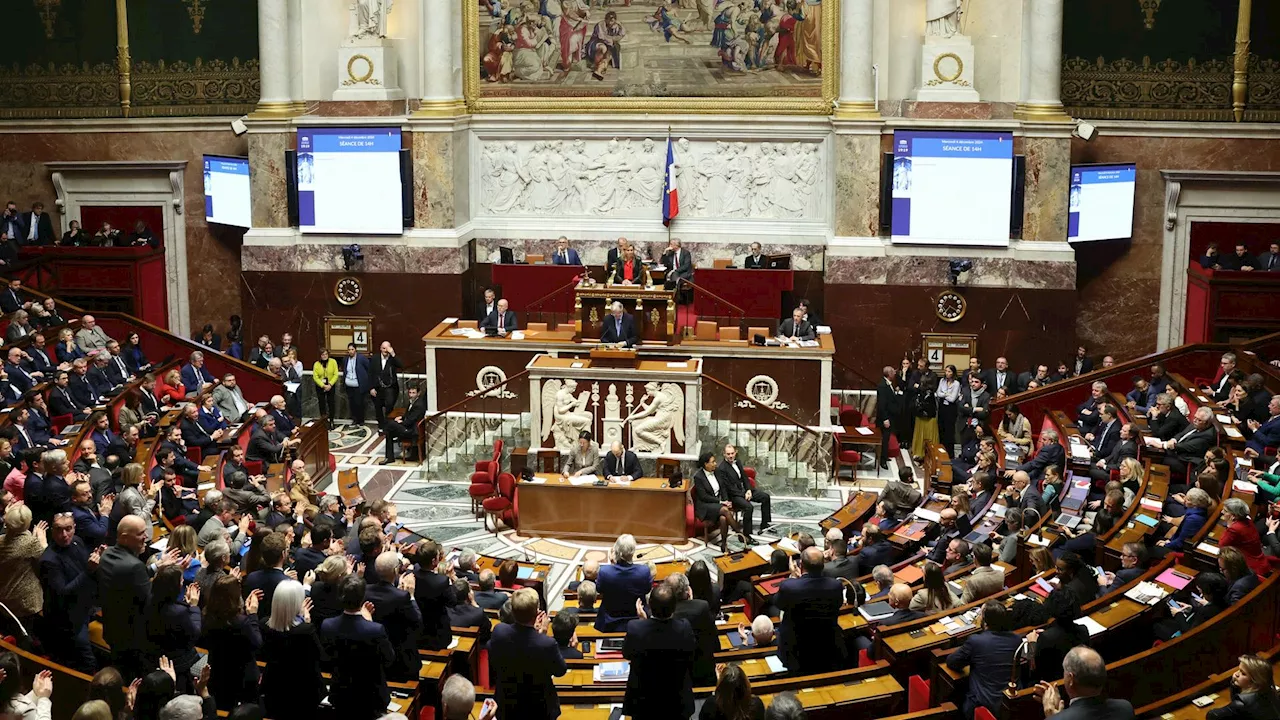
775,664
789,545
1079,451
1233,433
824,329
1152,441
1207,548
677,364
517,334
582,480
1093,626
862,430
1225,419
764,551
536,481
1245,486
925,514
1146,592
449,320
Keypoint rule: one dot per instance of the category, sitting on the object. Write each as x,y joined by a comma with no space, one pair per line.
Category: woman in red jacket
169,390
1242,535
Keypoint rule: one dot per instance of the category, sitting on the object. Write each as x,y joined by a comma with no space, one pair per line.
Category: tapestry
64,64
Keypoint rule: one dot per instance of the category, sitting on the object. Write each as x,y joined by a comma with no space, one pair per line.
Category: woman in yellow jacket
325,373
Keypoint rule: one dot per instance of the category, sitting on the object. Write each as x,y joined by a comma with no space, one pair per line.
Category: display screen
349,180
226,191
1100,206
952,187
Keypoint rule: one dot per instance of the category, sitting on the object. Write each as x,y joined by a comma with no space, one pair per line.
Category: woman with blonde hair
1253,693
301,490
1131,476
20,551
1041,560
183,539
169,389
66,349
135,498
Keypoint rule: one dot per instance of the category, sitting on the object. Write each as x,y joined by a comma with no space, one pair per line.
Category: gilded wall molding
41,91
1147,90
48,14
216,87
195,10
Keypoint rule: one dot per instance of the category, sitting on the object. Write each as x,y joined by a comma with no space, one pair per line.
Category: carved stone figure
564,413
660,411
369,19
942,18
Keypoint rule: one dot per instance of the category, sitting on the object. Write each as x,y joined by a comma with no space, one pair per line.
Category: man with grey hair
467,565
90,337
395,609
622,584
679,264
761,631
196,378
619,328
811,640
1051,452
1264,433
1087,412
486,596
183,707
785,706
590,571
883,577
1084,674
701,619
587,596
458,699
217,555
565,255
1188,447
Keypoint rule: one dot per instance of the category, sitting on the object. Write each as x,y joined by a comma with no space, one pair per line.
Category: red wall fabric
1258,236
123,218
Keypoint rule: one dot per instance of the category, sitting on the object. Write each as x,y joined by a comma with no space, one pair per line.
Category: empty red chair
482,670
255,467
60,421
481,488
502,505
981,713
917,694
864,658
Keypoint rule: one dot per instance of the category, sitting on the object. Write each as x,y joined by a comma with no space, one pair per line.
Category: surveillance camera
1085,131
238,127
955,267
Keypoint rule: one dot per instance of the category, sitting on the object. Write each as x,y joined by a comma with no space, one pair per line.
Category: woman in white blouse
948,393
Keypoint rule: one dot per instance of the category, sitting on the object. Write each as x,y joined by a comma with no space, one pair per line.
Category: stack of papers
1225,419
775,664
929,515
862,430
1151,504
1152,441
1232,432
582,480
789,545
1207,548
1091,625
611,672
1245,486
536,481
1147,593
764,551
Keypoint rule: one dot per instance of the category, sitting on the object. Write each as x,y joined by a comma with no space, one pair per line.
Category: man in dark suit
974,369
621,464
754,260
20,378
702,621
99,383
564,254
356,383
11,299
406,425
196,378
78,384
523,659
274,552
485,307
1022,493
662,649
1051,452
124,591
1187,448
615,253
989,656
1266,433
795,328
1164,419
811,640
194,434
619,328
62,402
117,370
1081,363
1106,433
395,609
1084,675
68,575
1001,377
1241,259
466,613
486,596
385,378
1125,447
974,408
1220,388
876,548
890,406
37,358
37,227
564,628
839,564
1269,261
267,444
733,476
501,319
361,653
434,594
678,262
1088,412
278,409
306,559
948,529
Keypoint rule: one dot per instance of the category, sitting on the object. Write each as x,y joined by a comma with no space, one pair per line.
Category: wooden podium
653,307
613,357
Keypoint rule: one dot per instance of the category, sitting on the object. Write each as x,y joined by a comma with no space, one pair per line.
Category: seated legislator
989,656
678,262
501,319
565,255
486,307
754,260
619,328
621,464
629,270
796,328
1084,675
1265,434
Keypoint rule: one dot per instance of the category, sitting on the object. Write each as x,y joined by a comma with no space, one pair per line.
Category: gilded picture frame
821,104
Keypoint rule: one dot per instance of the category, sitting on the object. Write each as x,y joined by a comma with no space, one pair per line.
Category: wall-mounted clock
951,306
348,290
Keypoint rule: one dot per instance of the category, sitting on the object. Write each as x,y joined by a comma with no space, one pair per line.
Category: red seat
428,713
981,713
195,455
255,467
917,694
60,421
864,658
502,505
482,670
846,457
692,525
481,488
851,417
751,476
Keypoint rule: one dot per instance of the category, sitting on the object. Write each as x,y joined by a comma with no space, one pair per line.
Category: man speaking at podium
619,328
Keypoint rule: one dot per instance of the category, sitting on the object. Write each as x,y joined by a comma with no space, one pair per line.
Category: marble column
1041,96
857,84
273,58
441,28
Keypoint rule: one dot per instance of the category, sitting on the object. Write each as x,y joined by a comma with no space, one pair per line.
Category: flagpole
668,145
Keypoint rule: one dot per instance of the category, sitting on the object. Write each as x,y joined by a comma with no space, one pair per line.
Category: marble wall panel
932,271
1048,180
857,196
213,252
381,259
704,254
267,179
433,173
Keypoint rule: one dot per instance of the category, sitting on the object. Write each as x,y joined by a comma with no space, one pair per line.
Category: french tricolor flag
670,195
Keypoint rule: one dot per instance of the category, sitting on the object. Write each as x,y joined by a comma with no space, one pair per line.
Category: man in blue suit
1051,452
434,593
1107,433
1266,434
523,659
274,552
565,255
196,378
989,656
620,584
278,410
67,574
876,548
811,640
619,328
355,382
20,378
361,654
661,650
395,610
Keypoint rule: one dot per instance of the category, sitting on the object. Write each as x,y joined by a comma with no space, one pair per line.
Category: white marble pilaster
441,22
857,84
274,53
1041,96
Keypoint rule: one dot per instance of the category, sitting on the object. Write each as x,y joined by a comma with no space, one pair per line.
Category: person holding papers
502,319
621,465
796,328
584,459
619,328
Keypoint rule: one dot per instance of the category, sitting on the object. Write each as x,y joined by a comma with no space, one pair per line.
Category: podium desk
645,508
757,292
653,308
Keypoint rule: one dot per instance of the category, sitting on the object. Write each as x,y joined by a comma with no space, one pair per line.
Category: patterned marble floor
440,508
